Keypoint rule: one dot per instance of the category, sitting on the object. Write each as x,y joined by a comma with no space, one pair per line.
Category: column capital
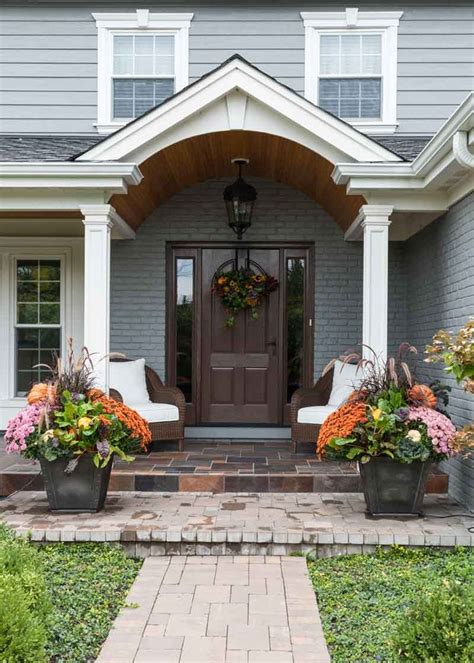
374,215
105,215
369,216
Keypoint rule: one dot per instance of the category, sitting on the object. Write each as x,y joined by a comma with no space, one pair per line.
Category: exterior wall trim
109,24
351,19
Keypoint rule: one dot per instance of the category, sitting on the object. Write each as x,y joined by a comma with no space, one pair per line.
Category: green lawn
88,584
363,598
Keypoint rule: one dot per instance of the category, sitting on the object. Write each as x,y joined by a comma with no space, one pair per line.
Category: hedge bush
24,603
439,627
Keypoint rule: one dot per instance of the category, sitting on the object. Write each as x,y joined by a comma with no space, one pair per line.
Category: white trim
142,20
69,251
269,105
385,23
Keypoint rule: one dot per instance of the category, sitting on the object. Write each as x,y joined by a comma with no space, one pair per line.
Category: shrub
24,602
438,628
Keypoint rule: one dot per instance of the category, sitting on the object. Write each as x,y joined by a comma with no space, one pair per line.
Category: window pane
351,97
295,285
50,314
350,54
144,45
164,65
28,338
27,291
50,270
184,325
27,270
133,97
50,291
164,45
123,64
123,45
143,65
34,347
27,314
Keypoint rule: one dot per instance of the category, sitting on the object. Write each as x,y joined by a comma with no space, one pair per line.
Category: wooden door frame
193,249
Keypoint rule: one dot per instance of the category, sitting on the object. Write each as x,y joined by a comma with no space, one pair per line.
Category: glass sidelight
295,321
184,325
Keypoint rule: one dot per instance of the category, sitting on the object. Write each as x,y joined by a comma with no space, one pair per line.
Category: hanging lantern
239,199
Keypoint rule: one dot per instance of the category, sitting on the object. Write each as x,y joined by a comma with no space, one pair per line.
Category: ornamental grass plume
440,429
133,422
341,423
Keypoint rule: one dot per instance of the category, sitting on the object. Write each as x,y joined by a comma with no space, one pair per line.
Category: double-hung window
142,60
38,319
350,66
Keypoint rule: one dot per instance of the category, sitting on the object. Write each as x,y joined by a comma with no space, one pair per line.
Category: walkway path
219,610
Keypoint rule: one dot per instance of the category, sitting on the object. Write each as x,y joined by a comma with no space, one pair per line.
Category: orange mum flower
341,423
137,426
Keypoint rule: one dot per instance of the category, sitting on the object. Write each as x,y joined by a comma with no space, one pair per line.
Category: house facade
119,126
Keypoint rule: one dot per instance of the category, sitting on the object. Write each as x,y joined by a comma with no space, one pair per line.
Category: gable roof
237,76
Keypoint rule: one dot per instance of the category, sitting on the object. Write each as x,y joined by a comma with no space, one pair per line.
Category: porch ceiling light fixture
239,200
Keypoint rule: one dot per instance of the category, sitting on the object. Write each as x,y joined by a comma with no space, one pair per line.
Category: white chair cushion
157,412
315,414
128,377
347,378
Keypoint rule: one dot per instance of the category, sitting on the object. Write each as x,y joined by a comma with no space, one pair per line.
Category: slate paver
203,626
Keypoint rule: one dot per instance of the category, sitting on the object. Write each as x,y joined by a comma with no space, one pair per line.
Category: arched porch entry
245,374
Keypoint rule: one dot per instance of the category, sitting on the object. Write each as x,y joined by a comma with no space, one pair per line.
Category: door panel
244,356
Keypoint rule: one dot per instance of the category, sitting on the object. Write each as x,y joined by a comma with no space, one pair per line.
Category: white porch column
374,221
98,222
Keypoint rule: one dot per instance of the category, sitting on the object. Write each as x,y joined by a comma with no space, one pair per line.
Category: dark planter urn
82,491
392,488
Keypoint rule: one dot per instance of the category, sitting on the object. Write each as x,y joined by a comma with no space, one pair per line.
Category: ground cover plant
63,601
398,605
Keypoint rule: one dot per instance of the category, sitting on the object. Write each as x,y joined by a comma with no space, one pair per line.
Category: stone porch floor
239,523
218,466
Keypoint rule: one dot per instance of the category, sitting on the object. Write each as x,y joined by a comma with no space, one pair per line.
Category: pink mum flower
440,429
21,426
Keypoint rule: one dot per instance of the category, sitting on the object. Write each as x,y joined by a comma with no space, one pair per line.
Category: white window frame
61,258
142,21
354,22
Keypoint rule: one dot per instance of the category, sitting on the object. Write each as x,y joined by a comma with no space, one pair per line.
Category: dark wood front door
240,365
244,374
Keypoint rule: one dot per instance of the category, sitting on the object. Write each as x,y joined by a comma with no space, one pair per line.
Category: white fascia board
442,142
69,175
237,75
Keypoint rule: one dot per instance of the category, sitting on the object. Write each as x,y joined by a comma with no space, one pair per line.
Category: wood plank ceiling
209,156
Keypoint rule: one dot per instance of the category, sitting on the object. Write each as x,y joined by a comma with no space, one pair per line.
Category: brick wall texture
281,213
431,279
440,294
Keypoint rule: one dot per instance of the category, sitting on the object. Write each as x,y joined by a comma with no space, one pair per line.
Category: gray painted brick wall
282,213
440,294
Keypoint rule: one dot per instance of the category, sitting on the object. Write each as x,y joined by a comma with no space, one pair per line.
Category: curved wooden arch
208,156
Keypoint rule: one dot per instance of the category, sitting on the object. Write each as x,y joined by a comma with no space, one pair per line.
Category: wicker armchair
158,393
318,394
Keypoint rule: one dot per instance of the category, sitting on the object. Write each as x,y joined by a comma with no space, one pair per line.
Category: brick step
126,480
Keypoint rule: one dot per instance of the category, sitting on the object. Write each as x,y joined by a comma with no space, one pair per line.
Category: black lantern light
239,201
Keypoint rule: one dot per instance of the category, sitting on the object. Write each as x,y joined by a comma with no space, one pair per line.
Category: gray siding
48,57
197,214
440,274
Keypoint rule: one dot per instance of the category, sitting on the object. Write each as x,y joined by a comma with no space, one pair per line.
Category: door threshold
238,432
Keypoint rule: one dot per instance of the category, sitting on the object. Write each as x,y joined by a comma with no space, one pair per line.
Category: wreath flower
242,289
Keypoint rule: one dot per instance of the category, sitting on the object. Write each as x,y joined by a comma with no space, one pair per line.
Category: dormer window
142,60
351,64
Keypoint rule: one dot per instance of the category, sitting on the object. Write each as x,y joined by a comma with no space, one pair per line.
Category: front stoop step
146,481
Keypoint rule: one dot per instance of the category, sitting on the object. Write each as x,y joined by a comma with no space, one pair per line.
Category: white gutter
461,149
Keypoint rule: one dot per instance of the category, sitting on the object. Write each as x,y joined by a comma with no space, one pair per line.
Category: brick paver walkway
219,610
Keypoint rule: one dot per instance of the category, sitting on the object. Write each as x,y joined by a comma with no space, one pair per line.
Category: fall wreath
243,289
